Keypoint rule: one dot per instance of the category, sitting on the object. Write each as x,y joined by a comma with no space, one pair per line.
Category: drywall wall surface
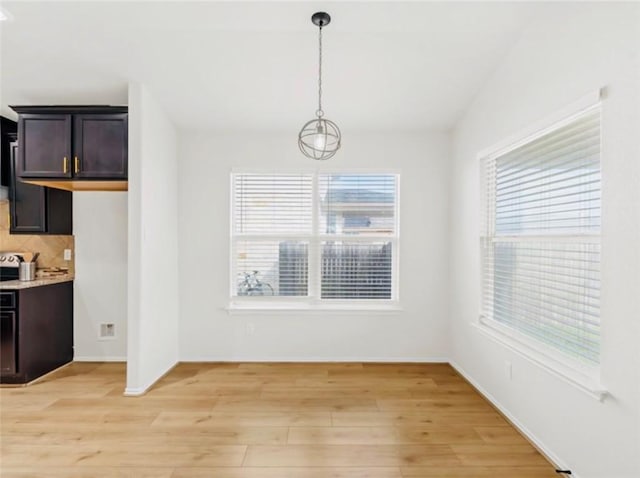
209,332
558,60
100,286
152,243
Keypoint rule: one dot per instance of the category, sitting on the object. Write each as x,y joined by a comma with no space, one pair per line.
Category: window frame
313,301
584,376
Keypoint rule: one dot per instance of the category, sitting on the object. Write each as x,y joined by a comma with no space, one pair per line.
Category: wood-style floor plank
353,455
241,419
412,418
290,472
479,472
88,472
261,420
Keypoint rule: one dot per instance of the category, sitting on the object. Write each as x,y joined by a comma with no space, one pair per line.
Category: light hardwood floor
261,421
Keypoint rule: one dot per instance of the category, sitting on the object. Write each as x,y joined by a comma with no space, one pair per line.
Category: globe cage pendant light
319,138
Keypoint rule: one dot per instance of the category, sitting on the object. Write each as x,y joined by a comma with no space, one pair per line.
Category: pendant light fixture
319,138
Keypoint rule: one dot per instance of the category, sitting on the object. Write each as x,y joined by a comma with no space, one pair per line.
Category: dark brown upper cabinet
8,135
100,146
45,146
37,209
76,143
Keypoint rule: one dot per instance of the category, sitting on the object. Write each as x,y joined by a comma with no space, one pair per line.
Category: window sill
296,308
586,380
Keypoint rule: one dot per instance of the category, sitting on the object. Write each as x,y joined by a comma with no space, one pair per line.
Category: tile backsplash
51,248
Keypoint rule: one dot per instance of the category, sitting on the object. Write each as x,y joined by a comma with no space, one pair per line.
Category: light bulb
320,139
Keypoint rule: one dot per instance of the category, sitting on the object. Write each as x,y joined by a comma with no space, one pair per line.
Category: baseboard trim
139,391
135,392
36,380
317,359
517,424
97,358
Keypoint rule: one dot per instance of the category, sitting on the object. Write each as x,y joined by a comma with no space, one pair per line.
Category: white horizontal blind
322,236
273,203
272,226
541,243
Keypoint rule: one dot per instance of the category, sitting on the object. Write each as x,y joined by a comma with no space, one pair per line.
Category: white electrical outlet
250,329
508,370
67,254
108,331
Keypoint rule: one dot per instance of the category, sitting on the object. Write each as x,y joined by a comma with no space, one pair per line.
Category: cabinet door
27,203
59,211
100,146
44,146
45,319
8,342
8,135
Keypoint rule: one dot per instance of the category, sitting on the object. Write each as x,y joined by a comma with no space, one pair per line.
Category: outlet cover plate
107,331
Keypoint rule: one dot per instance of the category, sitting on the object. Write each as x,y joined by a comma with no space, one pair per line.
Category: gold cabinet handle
9,220
77,165
65,166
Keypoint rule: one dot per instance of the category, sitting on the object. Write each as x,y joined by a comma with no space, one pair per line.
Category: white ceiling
253,66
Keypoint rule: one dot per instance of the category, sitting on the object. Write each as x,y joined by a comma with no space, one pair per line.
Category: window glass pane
550,291
551,185
278,241
357,203
273,203
356,270
272,268
547,286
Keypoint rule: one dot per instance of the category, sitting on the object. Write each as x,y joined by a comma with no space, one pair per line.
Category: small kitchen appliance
14,267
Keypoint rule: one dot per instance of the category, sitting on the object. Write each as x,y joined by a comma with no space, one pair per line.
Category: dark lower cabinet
38,209
9,345
36,332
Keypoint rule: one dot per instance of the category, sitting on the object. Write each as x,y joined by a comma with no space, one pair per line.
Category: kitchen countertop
17,284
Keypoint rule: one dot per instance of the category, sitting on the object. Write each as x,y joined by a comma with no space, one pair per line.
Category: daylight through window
541,243
315,236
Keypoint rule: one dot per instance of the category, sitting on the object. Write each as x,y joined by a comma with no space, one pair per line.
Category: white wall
556,61
100,286
207,332
152,242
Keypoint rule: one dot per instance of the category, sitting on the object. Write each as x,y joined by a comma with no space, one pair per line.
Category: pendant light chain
320,113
